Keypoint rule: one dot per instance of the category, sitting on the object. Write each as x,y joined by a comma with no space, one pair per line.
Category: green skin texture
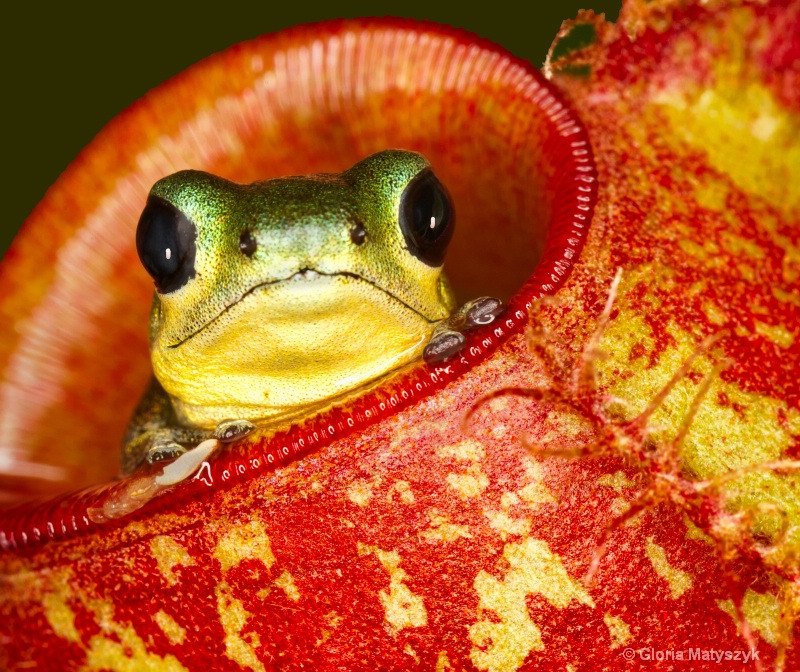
298,223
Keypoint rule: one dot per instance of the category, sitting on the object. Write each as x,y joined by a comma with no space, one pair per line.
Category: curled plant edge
137,491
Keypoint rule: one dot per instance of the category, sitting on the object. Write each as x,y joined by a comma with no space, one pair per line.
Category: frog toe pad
443,346
482,311
231,430
164,450
448,337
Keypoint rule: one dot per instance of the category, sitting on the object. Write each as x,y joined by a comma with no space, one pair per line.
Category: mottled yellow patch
360,491
694,532
784,296
762,611
443,662
506,525
468,449
678,580
404,492
617,480
502,646
244,542
714,313
793,420
286,583
469,484
536,492
740,128
712,196
442,529
618,629
169,554
702,251
620,506
472,482
170,627
790,268
509,499
561,426
717,428
333,619
497,404
738,245
123,651
776,333
409,651
627,331
499,430
129,654
746,429
126,652
60,616
233,618
403,609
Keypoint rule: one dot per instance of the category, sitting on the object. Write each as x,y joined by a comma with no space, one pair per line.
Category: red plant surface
610,483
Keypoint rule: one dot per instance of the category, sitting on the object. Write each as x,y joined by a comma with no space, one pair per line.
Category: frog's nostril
358,234
248,244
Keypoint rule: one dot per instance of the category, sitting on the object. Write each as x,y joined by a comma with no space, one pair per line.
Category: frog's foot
163,450
445,343
448,337
164,444
481,311
231,430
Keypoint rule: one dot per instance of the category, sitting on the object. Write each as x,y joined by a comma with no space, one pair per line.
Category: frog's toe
448,340
230,430
161,451
443,346
483,311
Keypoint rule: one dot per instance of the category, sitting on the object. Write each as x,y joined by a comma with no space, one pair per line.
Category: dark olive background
68,70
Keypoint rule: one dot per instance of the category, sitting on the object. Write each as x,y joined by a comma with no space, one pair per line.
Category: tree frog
276,299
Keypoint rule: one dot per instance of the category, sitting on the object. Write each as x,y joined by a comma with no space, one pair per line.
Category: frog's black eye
165,241
426,218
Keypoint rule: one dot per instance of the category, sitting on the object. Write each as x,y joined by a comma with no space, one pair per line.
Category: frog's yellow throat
289,348
280,298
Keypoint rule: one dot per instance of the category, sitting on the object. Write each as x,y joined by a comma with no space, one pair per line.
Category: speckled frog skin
276,299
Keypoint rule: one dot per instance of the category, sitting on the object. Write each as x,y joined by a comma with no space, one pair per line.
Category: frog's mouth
303,275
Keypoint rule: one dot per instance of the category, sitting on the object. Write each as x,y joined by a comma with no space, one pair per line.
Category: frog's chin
290,347
301,279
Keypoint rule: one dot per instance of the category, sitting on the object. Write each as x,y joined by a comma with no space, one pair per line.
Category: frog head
276,298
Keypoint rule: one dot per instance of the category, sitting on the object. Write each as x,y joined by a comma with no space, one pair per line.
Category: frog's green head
275,298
